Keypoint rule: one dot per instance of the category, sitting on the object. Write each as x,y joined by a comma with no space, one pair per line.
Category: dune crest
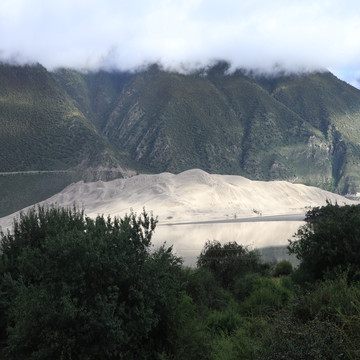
193,195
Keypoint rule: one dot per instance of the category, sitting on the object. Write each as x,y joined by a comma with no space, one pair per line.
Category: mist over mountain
68,125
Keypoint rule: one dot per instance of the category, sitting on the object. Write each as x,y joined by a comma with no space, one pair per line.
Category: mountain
68,125
47,141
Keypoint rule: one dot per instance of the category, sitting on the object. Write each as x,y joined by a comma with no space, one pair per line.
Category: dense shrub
328,244
73,287
334,300
189,338
229,261
226,320
267,295
283,268
206,291
291,339
323,323
243,286
242,343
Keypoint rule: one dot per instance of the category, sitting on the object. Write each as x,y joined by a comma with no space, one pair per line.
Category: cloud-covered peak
258,34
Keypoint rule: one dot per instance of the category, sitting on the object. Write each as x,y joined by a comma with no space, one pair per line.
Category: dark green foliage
242,344
226,320
322,324
238,329
329,244
283,268
40,127
189,338
315,340
266,296
229,261
73,287
244,285
206,291
333,300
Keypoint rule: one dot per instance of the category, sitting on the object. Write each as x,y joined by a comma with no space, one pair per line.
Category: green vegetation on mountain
286,127
333,107
301,128
75,287
41,129
46,140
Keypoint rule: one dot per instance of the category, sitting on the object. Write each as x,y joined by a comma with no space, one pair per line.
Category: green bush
267,295
292,339
226,320
328,244
242,343
335,300
74,287
243,286
205,290
189,338
283,268
287,283
323,323
223,348
229,261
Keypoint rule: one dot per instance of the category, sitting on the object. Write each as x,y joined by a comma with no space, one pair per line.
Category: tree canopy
72,287
228,261
329,243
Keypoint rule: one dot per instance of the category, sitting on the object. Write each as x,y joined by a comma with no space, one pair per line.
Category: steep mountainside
41,128
333,107
47,140
301,128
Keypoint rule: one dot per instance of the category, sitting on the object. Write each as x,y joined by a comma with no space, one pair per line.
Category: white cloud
249,33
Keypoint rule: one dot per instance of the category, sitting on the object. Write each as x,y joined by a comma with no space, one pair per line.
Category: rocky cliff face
302,128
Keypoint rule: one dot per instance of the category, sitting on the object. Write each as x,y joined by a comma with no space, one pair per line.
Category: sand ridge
192,195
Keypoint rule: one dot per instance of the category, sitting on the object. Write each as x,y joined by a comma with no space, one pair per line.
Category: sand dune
193,195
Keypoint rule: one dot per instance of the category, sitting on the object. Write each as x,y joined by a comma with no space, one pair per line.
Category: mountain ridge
102,125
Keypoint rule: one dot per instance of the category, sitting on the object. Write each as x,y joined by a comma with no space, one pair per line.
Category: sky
264,35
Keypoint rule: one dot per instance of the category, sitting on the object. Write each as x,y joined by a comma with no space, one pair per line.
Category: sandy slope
191,196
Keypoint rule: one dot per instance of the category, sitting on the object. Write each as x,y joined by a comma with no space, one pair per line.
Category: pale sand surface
191,196
191,238
188,240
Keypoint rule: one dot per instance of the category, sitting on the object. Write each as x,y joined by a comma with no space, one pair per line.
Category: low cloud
257,34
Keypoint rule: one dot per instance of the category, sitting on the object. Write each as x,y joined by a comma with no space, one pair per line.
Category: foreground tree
74,287
329,244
